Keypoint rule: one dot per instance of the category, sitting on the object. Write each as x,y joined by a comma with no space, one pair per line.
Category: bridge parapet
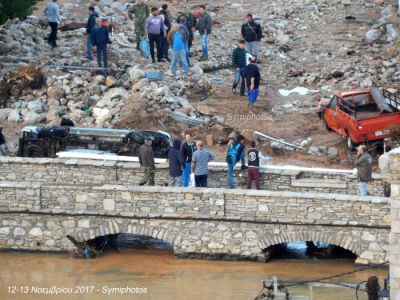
93,172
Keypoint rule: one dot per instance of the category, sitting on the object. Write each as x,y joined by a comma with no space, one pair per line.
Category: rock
55,92
14,116
372,35
391,52
33,118
110,81
53,117
203,109
332,151
379,2
102,116
337,74
4,112
36,231
114,94
136,74
35,106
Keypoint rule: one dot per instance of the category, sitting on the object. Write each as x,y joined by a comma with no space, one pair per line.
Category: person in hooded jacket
176,164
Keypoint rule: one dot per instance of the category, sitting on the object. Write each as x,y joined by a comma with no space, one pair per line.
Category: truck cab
362,116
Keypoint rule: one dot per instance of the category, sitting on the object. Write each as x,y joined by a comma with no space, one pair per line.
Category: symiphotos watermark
249,117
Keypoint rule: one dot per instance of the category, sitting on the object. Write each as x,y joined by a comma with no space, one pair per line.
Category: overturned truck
46,141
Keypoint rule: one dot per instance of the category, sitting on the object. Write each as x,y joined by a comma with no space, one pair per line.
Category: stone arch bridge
195,221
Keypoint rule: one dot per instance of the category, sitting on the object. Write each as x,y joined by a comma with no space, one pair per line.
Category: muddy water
157,274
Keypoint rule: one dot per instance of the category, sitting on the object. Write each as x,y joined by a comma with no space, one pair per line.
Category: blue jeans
186,174
240,74
204,44
179,56
89,47
363,188
252,95
187,52
231,182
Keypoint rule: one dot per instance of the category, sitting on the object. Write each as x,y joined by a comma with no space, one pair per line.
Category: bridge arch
342,239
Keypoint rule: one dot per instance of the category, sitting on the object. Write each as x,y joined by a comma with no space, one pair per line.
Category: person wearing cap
139,13
100,39
146,160
3,150
252,74
155,31
91,23
52,12
252,34
363,164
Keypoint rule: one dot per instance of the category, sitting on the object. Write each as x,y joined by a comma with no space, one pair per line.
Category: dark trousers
253,174
201,180
157,40
102,61
53,34
165,47
386,189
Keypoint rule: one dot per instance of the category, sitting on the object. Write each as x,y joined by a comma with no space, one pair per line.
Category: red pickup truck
362,116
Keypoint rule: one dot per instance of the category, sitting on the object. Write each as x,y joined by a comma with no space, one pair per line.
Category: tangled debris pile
325,45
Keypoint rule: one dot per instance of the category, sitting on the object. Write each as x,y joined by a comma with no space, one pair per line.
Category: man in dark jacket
191,23
239,63
2,143
146,160
204,28
252,34
91,23
165,14
252,82
364,169
176,164
100,39
187,149
253,165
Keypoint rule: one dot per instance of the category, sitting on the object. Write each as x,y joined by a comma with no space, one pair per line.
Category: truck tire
33,150
349,143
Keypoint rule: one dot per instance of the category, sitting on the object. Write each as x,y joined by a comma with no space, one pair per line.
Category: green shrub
10,9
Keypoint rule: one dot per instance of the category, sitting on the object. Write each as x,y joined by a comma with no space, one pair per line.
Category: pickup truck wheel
350,144
33,150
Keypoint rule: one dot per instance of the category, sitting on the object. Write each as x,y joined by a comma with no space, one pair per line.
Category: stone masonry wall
91,172
229,221
394,236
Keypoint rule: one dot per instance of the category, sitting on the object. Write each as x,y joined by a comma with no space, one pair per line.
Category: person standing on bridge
176,164
146,160
200,160
187,148
3,150
235,153
384,166
253,165
364,169
52,12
